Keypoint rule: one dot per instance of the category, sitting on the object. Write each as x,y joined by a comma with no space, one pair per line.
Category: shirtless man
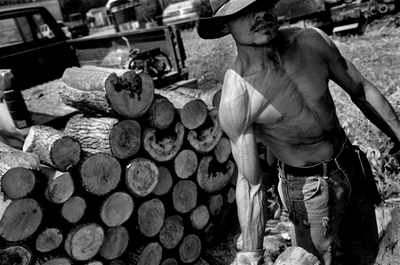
277,92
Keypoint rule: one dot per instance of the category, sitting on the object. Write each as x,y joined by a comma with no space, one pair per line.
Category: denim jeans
333,211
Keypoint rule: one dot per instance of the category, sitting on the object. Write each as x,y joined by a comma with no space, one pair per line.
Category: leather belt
321,167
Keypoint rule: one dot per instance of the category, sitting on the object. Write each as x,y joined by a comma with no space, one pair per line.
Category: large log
146,254
115,243
49,240
100,173
132,95
20,220
60,185
194,114
11,157
53,147
177,99
190,248
141,176
171,231
117,209
85,90
84,242
73,209
208,136
151,217
105,135
184,196
212,176
163,146
161,113
15,255
211,97
185,163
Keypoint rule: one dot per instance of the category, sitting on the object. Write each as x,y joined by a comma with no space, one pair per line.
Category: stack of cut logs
138,176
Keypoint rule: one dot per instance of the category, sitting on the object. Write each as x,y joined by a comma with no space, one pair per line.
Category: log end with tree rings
57,261
206,137
20,220
215,204
115,243
141,176
190,248
172,231
125,138
223,150
230,195
19,255
185,163
116,209
217,98
100,173
212,176
133,98
18,182
84,242
184,196
146,254
165,181
49,240
163,146
161,113
194,114
199,217
65,153
382,9
60,185
73,209
151,215
117,262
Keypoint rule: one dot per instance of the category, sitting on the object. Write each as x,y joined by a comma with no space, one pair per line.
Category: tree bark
84,242
73,209
60,185
117,209
141,176
206,139
18,183
163,146
185,163
105,135
146,254
100,173
53,147
177,99
184,196
199,217
20,220
49,240
190,248
165,181
194,114
17,255
211,97
161,113
212,176
172,231
115,243
11,157
151,217
223,150
132,94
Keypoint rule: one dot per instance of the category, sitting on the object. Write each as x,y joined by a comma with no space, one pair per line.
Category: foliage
203,8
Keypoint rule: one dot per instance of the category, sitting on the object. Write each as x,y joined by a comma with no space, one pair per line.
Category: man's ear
223,27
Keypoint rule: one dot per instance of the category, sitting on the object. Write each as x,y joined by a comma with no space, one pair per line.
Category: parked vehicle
33,46
77,26
180,12
65,29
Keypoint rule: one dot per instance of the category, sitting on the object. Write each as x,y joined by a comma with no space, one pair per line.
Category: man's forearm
251,201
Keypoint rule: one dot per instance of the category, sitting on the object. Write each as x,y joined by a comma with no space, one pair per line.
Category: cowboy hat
208,28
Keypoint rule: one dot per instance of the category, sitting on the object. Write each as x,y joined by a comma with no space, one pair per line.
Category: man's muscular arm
362,92
235,119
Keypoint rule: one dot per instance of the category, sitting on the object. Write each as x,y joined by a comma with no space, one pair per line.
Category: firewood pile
138,176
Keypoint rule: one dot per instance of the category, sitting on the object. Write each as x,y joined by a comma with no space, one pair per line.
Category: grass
376,54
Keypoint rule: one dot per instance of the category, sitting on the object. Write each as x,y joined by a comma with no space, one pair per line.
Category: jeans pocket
304,189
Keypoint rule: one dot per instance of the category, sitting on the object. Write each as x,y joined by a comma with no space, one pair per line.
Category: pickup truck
33,46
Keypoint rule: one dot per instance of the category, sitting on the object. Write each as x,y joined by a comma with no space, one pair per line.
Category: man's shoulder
303,35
